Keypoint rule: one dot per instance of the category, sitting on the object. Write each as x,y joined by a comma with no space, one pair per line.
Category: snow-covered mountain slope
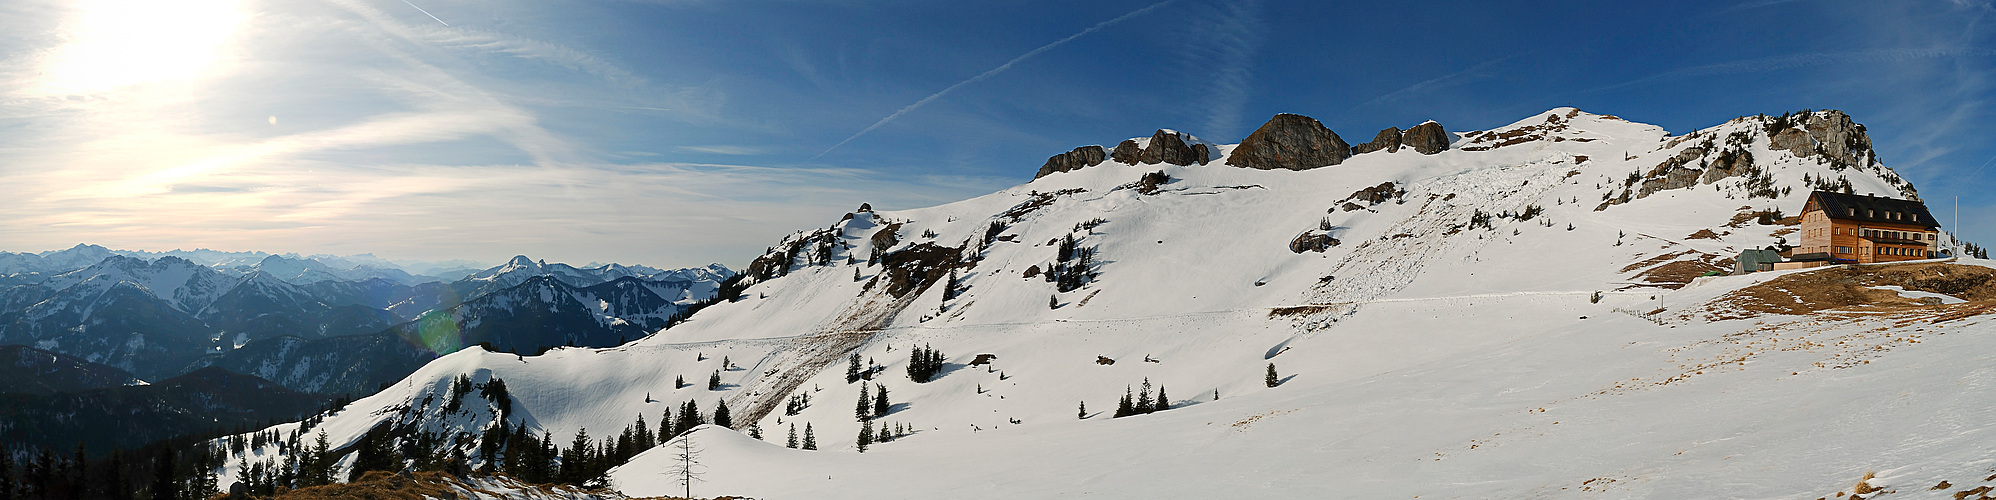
52,262
520,269
1478,322
312,270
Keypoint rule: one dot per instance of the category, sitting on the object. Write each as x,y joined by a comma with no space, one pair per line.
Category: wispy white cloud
994,71
1466,75
1804,60
721,149
1228,49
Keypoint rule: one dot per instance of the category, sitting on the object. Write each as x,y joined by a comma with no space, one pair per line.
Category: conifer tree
1163,403
7,476
165,483
714,381
725,363
792,441
689,417
880,402
864,411
1083,412
865,435
665,430
883,436
1143,404
643,439
755,430
852,369
1125,407
1272,380
679,382
810,440
721,416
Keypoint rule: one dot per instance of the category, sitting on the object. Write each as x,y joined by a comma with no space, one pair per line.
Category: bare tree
686,464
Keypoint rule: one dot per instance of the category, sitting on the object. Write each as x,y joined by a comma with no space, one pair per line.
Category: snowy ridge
1460,338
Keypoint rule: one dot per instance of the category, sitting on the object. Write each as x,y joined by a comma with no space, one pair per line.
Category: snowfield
1495,331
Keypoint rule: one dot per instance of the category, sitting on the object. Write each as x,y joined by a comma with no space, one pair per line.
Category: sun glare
110,44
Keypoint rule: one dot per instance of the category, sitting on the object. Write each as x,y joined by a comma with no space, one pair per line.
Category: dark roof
1872,208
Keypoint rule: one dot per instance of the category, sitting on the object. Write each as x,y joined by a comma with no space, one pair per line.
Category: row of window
1889,215
1899,251
1881,233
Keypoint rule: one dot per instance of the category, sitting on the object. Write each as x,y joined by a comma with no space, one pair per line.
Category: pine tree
1163,403
725,363
883,436
665,429
679,382
1143,404
689,417
880,402
1053,302
714,381
1272,380
1083,413
865,435
721,417
792,441
864,411
852,369
755,430
7,476
810,440
1125,408
165,483
643,439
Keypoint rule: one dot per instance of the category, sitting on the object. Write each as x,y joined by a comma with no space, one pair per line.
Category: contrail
993,71
427,13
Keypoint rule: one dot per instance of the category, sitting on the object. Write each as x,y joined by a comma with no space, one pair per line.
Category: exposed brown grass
1849,288
1678,273
1703,234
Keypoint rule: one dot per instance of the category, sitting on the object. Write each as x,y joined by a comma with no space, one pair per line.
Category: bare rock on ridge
1167,147
1291,142
1085,156
1388,140
1127,152
1426,138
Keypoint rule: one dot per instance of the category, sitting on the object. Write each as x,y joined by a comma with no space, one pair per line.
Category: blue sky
683,132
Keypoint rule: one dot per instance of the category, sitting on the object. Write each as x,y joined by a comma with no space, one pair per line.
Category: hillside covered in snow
1526,311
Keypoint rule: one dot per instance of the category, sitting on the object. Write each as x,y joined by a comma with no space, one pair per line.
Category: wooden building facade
1864,229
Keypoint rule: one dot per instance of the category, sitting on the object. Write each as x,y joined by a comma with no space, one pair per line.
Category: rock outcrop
1166,147
1830,133
1426,138
1085,156
1291,142
1388,140
1314,240
1127,152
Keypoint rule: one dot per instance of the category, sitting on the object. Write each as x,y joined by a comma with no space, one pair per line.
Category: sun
111,44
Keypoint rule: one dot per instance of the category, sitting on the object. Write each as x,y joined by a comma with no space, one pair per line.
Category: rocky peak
1830,133
1167,147
1127,152
1291,142
1085,156
1427,138
1387,140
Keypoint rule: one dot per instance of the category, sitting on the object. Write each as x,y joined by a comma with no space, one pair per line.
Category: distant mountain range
320,324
